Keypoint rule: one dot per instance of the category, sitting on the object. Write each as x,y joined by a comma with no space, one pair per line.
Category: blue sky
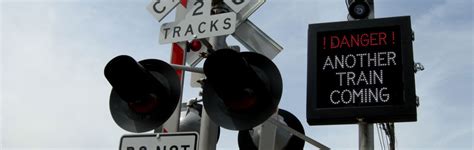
53,52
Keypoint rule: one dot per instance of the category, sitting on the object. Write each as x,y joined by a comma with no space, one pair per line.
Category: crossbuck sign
199,23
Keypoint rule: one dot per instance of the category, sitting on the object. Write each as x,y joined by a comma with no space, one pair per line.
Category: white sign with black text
199,23
165,141
198,28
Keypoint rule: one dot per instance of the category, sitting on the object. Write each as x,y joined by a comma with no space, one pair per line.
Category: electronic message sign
361,70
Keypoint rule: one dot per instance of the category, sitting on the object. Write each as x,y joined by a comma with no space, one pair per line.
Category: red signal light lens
150,103
195,45
245,101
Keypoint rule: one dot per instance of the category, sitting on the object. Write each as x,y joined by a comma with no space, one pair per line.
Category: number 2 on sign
200,7
203,7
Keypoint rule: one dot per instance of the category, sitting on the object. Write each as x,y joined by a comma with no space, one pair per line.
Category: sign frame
163,135
370,114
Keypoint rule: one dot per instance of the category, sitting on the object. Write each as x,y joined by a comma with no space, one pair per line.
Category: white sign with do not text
165,141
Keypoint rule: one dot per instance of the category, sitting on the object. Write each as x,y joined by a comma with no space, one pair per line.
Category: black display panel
361,70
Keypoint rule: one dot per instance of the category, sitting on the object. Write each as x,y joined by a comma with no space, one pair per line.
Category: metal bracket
277,123
186,68
419,67
417,101
208,45
158,136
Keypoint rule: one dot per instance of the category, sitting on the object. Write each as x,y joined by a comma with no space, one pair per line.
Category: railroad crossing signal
242,90
144,94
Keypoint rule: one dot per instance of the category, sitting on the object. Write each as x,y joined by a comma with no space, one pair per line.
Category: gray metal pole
208,132
366,136
366,130
172,124
186,68
268,135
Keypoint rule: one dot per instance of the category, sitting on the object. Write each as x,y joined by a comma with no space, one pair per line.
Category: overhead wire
384,138
392,135
379,135
388,132
387,138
